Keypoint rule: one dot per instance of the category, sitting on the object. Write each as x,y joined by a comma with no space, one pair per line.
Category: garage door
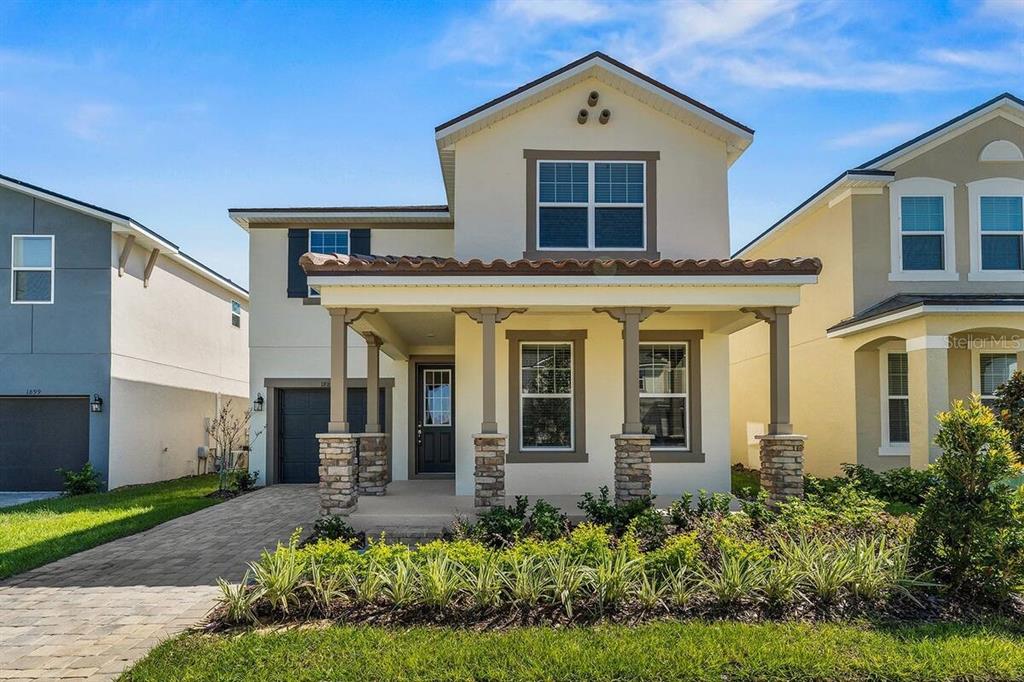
303,413
38,435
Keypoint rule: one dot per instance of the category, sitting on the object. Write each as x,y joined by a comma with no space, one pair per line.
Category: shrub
847,511
647,530
82,482
1009,410
679,552
242,481
589,542
685,516
334,528
971,529
239,601
903,485
278,576
546,521
383,553
502,526
603,512
463,552
440,582
613,578
400,583
568,575
331,556
323,587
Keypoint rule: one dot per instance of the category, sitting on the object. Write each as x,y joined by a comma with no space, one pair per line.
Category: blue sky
173,112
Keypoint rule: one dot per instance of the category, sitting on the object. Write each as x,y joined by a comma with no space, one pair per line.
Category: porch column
632,445
373,343
928,379
339,371
373,444
782,451
488,445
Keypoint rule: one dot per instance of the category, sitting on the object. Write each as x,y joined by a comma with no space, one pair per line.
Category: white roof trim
245,218
919,310
560,281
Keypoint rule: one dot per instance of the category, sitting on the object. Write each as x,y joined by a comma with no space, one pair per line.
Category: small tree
1009,410
229,431
971,529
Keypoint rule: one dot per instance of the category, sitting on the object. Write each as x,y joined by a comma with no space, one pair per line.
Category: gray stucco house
115,346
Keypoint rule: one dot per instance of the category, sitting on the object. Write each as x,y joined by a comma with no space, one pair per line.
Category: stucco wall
490,173
603,362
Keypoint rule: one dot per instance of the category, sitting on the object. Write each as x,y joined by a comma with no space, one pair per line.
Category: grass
658,651
39,532
745,478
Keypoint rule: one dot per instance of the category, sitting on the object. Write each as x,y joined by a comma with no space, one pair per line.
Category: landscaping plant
82,482
1009,410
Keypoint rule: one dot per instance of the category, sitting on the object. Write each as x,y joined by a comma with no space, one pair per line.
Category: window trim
235,315
922,187
52,269
310,294
992,347
692,453
989,187
887,447
650,207
518,454
547,396
685,395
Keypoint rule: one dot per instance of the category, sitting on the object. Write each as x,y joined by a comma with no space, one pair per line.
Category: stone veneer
632,467
489,473
373,460
782,466
338,491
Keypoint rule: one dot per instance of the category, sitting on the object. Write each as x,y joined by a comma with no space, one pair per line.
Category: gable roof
616,74
900,306
881,165
125,224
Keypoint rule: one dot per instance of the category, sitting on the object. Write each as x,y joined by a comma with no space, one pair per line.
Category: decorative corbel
477,314
150,264
619,314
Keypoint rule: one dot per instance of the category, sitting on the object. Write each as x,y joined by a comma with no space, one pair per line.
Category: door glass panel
437,397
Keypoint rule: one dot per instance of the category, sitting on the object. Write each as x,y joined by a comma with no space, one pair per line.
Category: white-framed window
996,218
328,241
546,395
591,205
32,258
236,314
992,366
895,403
664,393
921,223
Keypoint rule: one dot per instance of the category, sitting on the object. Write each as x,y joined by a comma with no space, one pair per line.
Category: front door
435,419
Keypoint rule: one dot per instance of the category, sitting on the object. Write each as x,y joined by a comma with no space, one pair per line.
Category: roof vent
1001,150
592,100
581,117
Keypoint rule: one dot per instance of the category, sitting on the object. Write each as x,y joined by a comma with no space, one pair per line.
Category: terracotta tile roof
339,264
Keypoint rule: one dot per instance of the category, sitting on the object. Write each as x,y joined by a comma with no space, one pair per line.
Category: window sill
673,456
587,254
996,276
894,451
546,457
924,276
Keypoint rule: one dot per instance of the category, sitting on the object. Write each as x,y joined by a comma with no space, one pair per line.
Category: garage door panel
39,435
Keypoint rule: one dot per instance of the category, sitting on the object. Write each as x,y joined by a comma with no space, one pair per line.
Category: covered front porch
550,383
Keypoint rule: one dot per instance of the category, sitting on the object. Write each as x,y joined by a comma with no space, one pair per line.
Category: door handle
419,434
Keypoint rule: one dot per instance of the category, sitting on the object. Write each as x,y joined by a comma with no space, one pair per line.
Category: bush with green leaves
971,529
685,515
903,485
502,526
602,510
81,482
334,527
1009,410
647,530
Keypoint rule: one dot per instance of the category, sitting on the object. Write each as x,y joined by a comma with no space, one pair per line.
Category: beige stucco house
921,300
562,323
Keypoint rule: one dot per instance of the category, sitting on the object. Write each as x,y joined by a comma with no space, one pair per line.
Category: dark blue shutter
298,244
359,242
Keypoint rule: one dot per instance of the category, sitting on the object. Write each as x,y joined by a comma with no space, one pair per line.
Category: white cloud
998,61
1003,10
90,120
562,11
866,137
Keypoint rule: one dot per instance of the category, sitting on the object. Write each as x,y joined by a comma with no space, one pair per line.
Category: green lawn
660,651
37,533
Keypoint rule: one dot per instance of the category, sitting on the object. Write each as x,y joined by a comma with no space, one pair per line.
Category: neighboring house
921,300
569,293
115,346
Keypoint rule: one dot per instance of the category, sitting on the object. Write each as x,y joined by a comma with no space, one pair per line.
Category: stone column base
632,467
489,472
338,492
782,466
373,470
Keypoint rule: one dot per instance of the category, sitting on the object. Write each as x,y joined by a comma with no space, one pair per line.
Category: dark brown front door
435,419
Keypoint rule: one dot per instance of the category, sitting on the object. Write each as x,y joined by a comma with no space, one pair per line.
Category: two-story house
921,300
562,323
115,346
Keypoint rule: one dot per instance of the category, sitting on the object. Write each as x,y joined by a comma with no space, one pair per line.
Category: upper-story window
236,314
32,268
922,230
328,241
997,229
590,205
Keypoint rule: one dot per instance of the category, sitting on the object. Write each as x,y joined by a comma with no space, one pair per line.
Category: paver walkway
91,615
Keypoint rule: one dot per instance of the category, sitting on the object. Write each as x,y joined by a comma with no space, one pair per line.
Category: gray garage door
38,435
303,413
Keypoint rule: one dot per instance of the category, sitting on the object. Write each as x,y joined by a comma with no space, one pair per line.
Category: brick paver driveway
92,614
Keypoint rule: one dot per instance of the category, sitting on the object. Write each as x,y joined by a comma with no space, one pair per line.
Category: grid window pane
923,252
563,182
546,369
665,418
996,369
899,420
921,214
328,241
437,397
619,227
619,183
32,252
1002,214
898,374
32,286
563,228
1002,252
663,369
547,422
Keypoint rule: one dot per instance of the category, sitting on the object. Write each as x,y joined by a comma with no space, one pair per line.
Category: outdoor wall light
257,405
96,404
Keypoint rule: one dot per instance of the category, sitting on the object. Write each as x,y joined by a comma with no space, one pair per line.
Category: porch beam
341,318
777,318
630,317
126,251
150,264
373,344
488,318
